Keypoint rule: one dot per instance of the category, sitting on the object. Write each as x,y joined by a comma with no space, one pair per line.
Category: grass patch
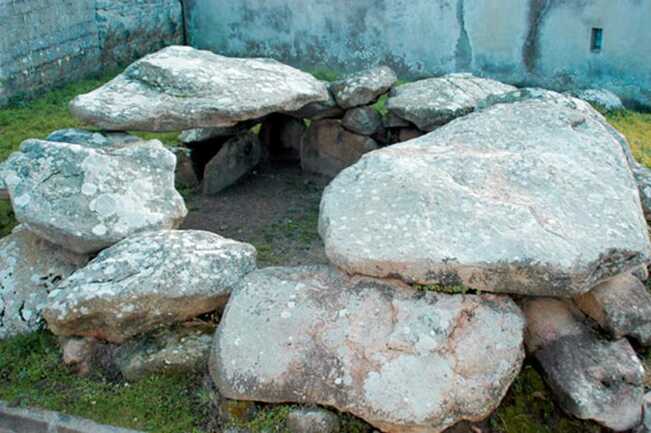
637,129
32,374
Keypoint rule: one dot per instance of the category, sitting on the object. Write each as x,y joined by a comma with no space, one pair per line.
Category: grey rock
236,158
327,147
600,98
179,350
94,139
180,88
185,176
204,134
532,197
591,378
622,306
643,179
327,109
30,268
312,421
363,88
390,120
85,199
362,120
401,359
281,136
434,102
147,281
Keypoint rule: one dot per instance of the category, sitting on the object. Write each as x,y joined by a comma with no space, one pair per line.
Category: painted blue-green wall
540,42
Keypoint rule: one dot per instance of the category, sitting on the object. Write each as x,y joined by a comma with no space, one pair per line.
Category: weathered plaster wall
544,42
45,43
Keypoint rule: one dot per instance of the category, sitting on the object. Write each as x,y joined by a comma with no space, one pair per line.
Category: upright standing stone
403,360
85,198
236,158
547,209
30,268
179,88
327,148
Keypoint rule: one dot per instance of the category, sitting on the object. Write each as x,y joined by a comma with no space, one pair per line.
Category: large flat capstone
85,198
403,360
529,197
180,88
146,281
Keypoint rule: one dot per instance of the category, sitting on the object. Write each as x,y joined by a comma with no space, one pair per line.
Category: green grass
32,374
637,129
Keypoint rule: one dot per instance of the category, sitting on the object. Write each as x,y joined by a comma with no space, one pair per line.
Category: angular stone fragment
401,359
237,157
550,208
30,268
327,148
434,102
147,281
180,88
362,120
622,306
85,199
180,350
312,421
591,378
363,88
94,139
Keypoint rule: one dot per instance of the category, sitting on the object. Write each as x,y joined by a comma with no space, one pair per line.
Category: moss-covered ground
32,374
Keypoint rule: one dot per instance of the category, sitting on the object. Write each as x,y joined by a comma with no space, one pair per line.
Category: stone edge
22,420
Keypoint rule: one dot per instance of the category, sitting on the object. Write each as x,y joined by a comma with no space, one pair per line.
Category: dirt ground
275,208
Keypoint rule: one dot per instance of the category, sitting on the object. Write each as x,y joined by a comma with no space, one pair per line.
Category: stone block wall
532,42
46,43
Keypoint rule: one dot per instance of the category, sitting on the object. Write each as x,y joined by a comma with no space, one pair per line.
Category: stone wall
46,43
540,42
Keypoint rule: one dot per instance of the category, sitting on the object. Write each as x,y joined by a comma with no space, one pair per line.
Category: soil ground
275,208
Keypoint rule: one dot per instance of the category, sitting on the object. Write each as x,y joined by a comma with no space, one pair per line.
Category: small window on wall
597,40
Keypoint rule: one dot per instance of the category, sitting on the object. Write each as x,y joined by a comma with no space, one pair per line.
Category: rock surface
327,109
531,197
30,268
362,120
236,158
184,176
622,306
146,281
434,102
363,88
180,350
199,135
601,98
180,88
402,360
312,421
592,378
327,147
85,199
94,139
